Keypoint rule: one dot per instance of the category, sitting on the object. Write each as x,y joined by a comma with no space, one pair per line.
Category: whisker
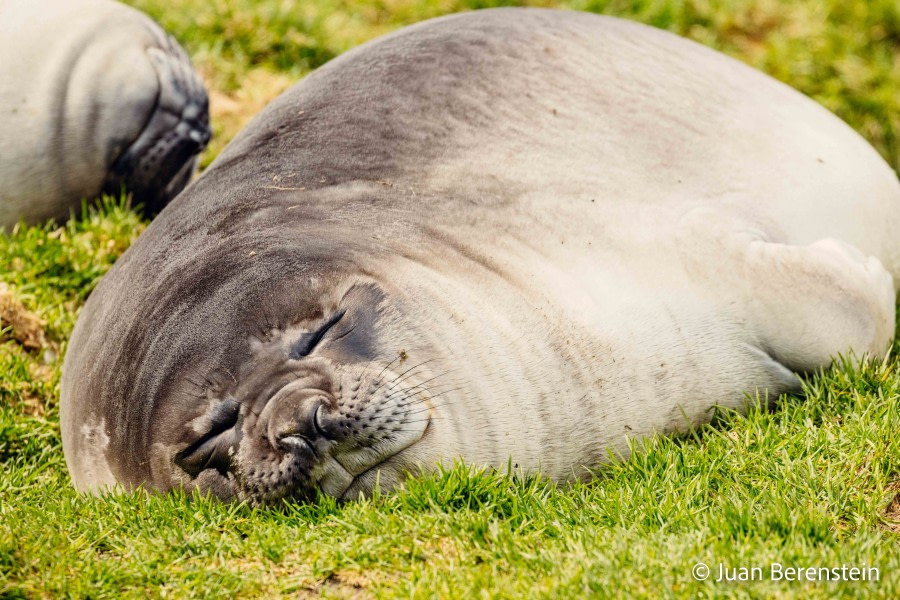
372,393
419,421
378,377
402,376
415,366
421,400
386,366
365,369
386,404
432,407
415,403
427,381
391,382
420,407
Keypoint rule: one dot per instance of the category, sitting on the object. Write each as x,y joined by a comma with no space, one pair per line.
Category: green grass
813,482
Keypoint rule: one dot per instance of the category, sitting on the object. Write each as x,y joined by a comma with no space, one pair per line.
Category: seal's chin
350,476
337,481
345,475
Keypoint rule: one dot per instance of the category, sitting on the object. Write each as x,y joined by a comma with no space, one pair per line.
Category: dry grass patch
891,516
18,323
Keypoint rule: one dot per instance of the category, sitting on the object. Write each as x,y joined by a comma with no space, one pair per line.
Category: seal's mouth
365,483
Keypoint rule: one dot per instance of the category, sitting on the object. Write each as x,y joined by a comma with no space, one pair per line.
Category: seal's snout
193,127
288,432
159,163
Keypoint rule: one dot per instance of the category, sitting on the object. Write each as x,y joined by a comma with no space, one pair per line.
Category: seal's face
313,408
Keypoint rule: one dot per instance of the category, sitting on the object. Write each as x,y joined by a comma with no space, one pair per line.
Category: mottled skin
94,97
514,234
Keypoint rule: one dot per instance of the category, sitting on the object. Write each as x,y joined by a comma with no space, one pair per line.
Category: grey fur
519,234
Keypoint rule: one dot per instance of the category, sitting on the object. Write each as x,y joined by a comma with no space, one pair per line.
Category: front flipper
805,304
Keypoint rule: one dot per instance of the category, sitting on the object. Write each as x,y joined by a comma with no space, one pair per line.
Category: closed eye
211,450
308,341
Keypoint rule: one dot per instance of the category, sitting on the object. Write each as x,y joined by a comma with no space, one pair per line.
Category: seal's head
253,375
168,127
312,406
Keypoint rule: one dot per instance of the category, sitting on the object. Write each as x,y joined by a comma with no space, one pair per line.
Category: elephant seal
508,236
94,96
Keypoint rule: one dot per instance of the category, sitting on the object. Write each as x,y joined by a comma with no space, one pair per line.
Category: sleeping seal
520,235
94,96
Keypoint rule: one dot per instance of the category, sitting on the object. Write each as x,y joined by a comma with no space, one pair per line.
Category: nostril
317,424
295,442
199,137
298,425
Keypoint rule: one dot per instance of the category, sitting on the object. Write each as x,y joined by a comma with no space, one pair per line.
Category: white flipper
807,304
